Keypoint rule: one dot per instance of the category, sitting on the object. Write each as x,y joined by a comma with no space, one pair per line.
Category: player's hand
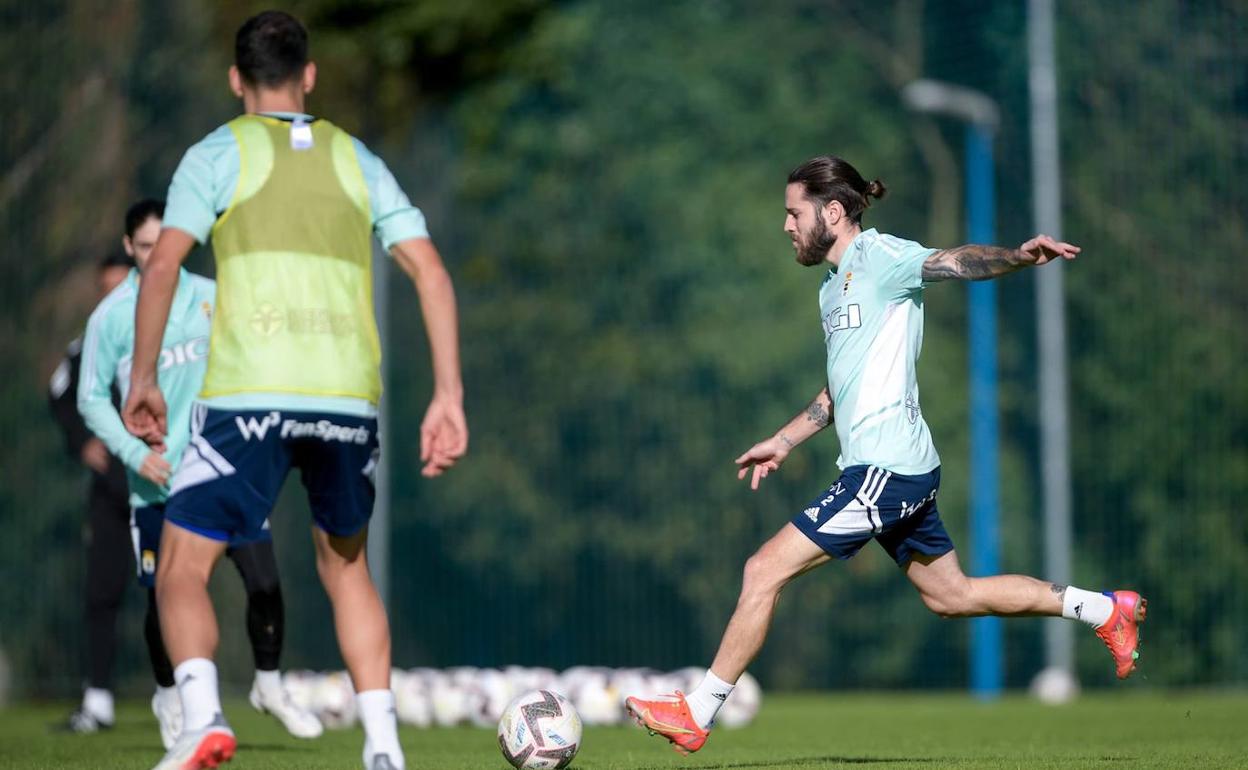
145,413
155,469
95,455
443,435
764,457
1043,249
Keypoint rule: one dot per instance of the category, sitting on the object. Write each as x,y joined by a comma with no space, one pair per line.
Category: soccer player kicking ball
871,304
107,349
291,203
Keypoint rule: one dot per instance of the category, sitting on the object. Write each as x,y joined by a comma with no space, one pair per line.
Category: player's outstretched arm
145,410
444,431
767,455
973,262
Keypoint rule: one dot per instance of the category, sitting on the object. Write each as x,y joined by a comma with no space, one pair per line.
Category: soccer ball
540,729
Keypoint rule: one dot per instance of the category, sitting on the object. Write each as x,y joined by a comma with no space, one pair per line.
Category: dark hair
827,178
271,49
142,211
115,259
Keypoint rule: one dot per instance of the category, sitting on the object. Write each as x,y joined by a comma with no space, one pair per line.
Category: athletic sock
269,684
168,699
99,704
1092,607
707,698
197,687
381,732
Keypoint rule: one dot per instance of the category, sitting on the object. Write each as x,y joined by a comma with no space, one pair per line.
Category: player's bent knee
762,575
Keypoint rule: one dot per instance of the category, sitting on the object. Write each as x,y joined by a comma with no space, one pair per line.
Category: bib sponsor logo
845,286
325,430
267,320
842,318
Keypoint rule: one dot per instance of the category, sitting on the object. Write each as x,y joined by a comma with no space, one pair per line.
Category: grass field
1177,730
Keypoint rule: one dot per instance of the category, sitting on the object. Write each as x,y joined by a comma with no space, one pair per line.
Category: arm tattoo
818,414
972,262
788,442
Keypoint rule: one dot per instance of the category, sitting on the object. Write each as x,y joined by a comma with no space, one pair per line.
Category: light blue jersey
201,190
872,313
107,354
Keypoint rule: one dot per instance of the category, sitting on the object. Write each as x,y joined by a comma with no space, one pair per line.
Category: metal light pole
1059,641
981,116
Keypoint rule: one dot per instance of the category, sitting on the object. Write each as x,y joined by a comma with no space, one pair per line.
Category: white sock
99,704
197,687
168,697
1092,607
269,683
381,729
706,699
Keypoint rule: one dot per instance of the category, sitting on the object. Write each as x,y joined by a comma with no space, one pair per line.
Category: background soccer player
107,349
293,380
107,531
871,307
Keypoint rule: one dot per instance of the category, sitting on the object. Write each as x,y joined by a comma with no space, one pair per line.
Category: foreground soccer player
872,311
107,349
293,380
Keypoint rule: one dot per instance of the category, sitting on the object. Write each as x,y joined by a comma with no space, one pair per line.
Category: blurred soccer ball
333,700
742,706
539,729
1055,686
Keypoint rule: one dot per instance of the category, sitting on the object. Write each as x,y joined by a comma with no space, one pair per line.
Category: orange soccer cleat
669,716
1121,633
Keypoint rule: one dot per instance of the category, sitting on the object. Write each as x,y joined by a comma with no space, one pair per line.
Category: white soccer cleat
168,712
203,749
299,722
380,761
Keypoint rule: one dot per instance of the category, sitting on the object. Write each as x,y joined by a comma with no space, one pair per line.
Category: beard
814,249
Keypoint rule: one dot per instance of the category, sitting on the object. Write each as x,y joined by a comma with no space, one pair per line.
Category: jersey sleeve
394,217
100,358
203,184
898,263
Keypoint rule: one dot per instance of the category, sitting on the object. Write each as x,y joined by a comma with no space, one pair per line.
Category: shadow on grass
147,748
809,761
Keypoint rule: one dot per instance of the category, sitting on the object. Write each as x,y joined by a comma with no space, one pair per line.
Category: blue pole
987,668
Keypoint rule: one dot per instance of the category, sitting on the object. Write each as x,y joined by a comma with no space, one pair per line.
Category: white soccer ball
540,729
1055,686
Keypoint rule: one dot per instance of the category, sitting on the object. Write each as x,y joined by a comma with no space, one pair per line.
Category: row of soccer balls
426,697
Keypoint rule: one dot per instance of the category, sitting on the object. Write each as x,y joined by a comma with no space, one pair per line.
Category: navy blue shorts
237,461
868,503
145,526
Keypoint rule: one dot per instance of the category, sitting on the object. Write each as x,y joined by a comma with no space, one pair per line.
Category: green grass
1174,730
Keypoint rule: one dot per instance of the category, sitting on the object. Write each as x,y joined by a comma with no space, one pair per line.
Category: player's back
294,255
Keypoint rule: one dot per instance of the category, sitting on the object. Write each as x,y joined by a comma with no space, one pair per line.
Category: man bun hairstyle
271,49
142,211
828,178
